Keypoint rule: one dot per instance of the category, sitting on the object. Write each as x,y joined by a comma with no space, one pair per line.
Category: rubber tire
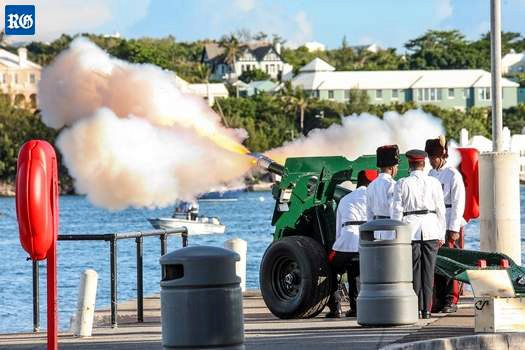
314,289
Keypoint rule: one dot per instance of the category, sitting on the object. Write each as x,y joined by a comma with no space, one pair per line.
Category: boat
225,195
200,226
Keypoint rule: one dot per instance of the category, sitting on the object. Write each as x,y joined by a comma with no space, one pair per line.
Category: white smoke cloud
444,9
362,134
132,138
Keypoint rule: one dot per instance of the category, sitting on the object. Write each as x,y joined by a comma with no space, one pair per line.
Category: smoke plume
362,134
131,136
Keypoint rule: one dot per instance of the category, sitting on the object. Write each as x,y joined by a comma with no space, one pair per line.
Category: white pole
495,53
85,313
499,189
239,246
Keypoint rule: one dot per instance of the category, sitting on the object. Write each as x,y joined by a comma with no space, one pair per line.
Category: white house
208,91
513,63
454,88
374,48
19,78
257,55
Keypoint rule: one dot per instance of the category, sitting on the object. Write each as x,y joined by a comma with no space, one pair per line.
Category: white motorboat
199,226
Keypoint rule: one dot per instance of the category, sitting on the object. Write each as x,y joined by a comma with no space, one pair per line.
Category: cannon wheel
295,277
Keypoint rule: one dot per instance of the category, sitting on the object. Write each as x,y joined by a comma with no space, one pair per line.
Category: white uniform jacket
379,197
454,193
352,207
420,192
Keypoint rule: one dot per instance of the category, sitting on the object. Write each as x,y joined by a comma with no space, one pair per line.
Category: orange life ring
37,197
469,170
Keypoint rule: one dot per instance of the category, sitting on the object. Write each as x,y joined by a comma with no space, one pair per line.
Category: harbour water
247,218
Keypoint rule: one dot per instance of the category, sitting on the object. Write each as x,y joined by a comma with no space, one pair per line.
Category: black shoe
450,308
333,314
426,315
437,308
351,313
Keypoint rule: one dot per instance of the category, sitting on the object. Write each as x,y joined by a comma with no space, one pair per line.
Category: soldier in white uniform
351,212
418,201
380,192
447,290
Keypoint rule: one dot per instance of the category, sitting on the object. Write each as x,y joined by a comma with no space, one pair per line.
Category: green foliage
514,118
16,127
254,75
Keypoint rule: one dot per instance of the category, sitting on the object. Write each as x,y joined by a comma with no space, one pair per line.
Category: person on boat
186,210
351,212
447,290
380,192
418,202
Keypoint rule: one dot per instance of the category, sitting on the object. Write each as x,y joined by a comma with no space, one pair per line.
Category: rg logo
19,19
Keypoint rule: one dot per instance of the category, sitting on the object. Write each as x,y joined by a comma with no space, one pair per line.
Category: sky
389,23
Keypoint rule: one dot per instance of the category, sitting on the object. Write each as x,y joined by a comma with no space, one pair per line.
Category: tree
298,100
359,102
254,75
446,49
232,50
260,36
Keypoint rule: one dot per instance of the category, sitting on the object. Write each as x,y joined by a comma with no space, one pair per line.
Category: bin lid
199,266
381,225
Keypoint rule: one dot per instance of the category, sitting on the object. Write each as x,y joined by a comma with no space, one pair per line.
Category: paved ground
262,331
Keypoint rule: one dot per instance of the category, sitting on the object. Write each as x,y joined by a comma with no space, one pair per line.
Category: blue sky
389,23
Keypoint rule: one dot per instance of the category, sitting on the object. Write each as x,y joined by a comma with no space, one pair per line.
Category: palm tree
232,50
298,99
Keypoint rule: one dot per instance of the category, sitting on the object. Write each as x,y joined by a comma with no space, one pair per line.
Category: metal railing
113,238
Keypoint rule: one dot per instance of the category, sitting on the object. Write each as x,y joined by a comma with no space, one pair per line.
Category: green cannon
294,273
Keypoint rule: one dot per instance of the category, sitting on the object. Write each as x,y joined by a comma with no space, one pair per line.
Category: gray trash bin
386,296
201,300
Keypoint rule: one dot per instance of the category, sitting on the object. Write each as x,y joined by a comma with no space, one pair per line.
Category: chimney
277,47
22,56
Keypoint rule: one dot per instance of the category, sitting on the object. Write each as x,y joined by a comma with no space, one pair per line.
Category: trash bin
201,300
386,296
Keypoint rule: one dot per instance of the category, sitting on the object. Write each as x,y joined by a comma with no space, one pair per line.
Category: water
248,218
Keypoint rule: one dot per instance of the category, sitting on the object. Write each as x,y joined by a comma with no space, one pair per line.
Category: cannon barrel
268,164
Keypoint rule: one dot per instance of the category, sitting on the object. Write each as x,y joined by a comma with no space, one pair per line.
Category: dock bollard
239,246
201,299
386,297
83,319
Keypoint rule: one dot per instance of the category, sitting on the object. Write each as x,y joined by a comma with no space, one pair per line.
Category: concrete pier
262,330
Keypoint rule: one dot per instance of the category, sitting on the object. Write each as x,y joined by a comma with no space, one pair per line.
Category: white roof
512,58
400,79
11,60
317,65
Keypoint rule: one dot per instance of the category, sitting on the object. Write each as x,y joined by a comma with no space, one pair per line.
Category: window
466,93
266,68
315,93
429,94
379,94
347,94
32,78
330,93
484,94
395,94
450,93
16,78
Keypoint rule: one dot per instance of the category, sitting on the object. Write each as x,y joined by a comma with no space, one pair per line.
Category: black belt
448,205
353,223
419,212
381,217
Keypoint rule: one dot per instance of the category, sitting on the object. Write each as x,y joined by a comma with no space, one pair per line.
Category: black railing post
140,280
184,236
113,263
163,243
36,297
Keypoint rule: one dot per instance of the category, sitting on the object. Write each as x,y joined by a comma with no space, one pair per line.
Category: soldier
418,201
351,212
380,192
447,290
